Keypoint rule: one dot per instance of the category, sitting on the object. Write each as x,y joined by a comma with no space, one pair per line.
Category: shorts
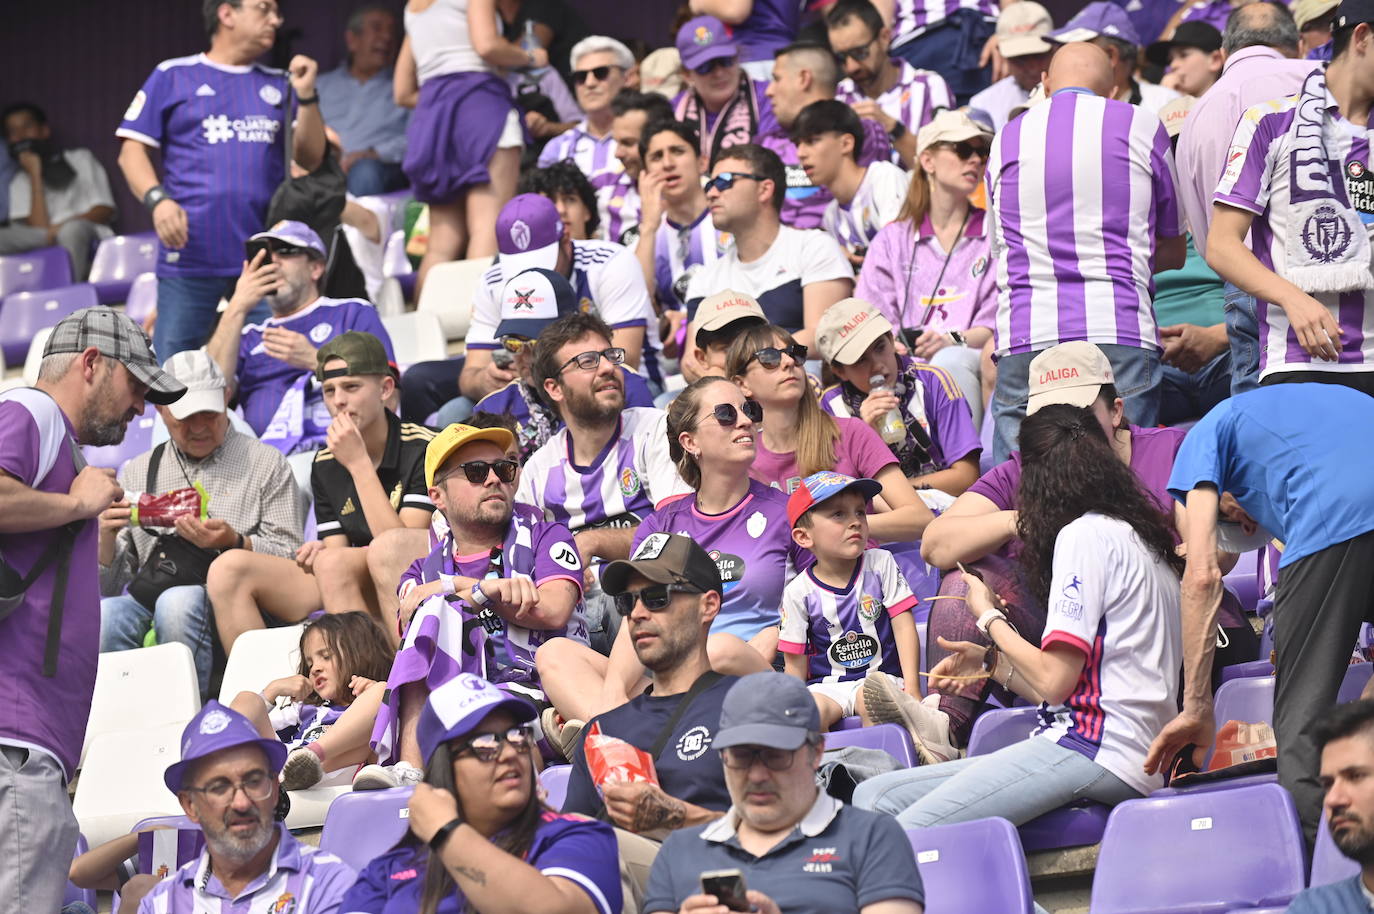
845,693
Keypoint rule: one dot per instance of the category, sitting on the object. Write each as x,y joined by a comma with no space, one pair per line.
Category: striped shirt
876,203
912,18
680,251
618,205
1256,180
596,158
1079,189
912,100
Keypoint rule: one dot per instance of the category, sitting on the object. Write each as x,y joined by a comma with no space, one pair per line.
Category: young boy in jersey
848,616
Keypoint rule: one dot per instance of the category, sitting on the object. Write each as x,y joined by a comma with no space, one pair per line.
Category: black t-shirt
688,768
401,472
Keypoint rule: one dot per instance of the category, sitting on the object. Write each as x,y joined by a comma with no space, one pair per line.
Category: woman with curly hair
1099,554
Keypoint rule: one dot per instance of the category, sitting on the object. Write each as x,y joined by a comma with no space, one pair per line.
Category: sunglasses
579,77
274,247
655,597
487,746
741,758
711,66
515,343
476,471
965,150
858,55
727,415
770,357
589,361
726,180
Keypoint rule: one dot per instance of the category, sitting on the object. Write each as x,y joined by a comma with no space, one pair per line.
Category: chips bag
1239,742
148,510
613,759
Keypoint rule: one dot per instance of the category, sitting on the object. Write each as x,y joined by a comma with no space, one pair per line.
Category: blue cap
1099,18
817,487
767,709
704,38
533,300
459,705
299,234
214,729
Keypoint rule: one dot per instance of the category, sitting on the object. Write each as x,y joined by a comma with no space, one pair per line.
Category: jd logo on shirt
693,744
854,651
731,567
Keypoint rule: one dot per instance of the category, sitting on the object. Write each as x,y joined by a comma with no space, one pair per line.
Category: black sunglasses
727,415
579,77
858,55
726,180
654,597
476,471
713,65
770,357
274,247
487,746
589,361
965,150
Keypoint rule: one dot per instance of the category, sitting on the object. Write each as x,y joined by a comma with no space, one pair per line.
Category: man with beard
226,782
270,366
98,368
58,196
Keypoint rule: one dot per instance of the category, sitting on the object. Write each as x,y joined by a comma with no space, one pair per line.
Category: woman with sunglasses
931,271
480,838
798,438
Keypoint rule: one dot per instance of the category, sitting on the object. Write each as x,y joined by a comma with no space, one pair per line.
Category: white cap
1021,29
205,384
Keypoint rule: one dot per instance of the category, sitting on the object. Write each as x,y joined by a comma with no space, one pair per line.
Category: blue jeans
1191,396
1018,783
1242,329
952,49
1137,382
183,614
369,177
187,311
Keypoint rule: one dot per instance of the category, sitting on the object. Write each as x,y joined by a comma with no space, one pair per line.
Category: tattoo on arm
658,810
472,874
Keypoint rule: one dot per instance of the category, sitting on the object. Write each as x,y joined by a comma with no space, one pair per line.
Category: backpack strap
66,544
704,682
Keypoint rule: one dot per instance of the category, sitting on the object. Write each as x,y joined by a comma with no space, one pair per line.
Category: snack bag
613,759
148,510
1239,742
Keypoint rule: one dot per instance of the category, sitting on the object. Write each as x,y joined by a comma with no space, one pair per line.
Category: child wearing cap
848,616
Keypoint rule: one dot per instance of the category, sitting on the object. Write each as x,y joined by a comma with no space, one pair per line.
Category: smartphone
909,336
728,887
251,249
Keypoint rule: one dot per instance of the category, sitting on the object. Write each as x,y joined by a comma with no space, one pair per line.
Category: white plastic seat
142,688
448,292
416,336
121,783
258,657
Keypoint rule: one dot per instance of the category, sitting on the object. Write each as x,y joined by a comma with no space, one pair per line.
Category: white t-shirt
796,259
999,98
1153,96
366,252
90,188
440,42
1118,604
876,203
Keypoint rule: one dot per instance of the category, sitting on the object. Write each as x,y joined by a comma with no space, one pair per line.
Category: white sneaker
384,777
928,726
302,770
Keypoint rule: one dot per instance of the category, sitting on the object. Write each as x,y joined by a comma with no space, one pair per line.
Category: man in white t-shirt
795,275
829,136
1021,31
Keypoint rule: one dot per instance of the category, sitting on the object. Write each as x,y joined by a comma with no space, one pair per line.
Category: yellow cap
442,445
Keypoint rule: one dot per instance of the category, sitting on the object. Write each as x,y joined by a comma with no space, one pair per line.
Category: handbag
174,561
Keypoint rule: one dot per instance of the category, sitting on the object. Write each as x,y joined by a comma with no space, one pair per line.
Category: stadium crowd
838,365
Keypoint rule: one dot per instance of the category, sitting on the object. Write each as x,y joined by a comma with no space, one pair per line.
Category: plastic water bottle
528,42
892,429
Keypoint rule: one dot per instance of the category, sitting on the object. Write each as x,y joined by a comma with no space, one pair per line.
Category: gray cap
115,337
767,709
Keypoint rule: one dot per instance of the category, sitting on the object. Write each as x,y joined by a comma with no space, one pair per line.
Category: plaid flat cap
116,337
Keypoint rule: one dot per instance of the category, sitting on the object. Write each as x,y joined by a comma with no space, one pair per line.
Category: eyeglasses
965,150
514,343
726,180
711,66
741,758
579,77
858,55
487,746
256,785
590,361
770,357
655,597
476,471
269,9
727,415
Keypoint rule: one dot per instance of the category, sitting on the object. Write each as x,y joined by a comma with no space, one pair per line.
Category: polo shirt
837,858
401,472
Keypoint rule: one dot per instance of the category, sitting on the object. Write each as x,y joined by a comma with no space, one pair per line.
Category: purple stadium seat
45,268
1355,680
972,868
361,826
890,738
23,314
1200,853
73,893
849,723
118,261
1246,589
142,298
1000,727
1246,670
137,440
554,780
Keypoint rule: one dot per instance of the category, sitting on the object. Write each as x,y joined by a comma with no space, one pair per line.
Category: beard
1356,842
486,514
226,844
100,424
588,409
289,295
675,643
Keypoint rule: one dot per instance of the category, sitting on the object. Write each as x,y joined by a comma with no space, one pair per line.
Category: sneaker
561,736
928,726
302,770
384,777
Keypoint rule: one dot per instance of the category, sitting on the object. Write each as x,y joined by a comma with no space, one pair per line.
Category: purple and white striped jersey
876,203
1256,179
848,631
1079,188
912,100
596,158
220,132
628,479
618,206
298,724
911,18
804,205
681,250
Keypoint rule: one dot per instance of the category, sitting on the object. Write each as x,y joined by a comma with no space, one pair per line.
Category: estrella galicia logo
731,567
1074,589
1325,234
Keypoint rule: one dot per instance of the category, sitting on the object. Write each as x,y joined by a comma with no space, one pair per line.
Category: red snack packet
1239,742
163,510
613,759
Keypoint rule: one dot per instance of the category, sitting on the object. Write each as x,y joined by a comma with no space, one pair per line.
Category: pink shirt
859,453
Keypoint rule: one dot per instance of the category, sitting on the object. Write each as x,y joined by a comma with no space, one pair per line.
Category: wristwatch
989,617
958,337
898,131
154,196
440,837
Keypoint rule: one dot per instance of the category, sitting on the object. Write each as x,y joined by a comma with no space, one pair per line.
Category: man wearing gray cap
251,502
784,842
98,368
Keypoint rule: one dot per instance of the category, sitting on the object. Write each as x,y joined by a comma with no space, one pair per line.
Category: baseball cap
289,231
442,445
1232,538
704,38
1175,112
214,729
362,353
848,328
116,337
205,384
1351,13
1070,373
951,126
1095,19
817,487
1191,34
459,705
724,308
1305,11
533,300
527,234
661,71
767,709
1021,29
665,558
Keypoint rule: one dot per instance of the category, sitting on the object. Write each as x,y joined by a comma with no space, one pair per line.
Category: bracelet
450,583
1011,671
479,598
898,131
271,705
307,102
154,196
241,542
440,837
989,617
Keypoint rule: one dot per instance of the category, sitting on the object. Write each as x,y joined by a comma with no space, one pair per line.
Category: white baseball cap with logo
205,384
848,328
726,307
1021,29
1070,373
951,126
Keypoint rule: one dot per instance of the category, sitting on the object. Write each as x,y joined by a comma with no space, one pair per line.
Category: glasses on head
711,66
727,415
514,343
858,55
726,180
579,77
256,785
591,360
742,757
476,471
770,357
655,597
487,746
965,149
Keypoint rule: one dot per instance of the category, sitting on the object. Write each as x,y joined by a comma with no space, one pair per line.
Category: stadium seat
1202,852
890,738
1000,727
142,298
1246,670
973,867
448,293
554,780
23,314
1356,678
74,893
118,261
138,439
259,657
121,782
363,825
1246,589
144,687
45,268
416,336
849,723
